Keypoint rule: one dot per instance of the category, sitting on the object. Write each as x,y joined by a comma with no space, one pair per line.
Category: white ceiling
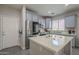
42,9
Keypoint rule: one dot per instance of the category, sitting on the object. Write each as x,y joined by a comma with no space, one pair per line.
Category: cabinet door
42,22
29,15
35,17
34,48
70,21
45,51
73,42
48,23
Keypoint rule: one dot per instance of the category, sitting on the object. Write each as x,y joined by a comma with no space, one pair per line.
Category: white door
0,33
9,32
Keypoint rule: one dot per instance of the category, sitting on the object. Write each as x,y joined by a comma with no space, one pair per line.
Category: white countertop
65,34
46,41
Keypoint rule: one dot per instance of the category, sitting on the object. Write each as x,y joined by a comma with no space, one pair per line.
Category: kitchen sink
57,41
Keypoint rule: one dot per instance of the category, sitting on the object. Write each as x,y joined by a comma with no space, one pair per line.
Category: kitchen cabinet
73,42
42,22
36,49
28,22
35,17
42,45
29,15
48,23
70,21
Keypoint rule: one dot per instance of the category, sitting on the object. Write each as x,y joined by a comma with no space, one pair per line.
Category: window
58,24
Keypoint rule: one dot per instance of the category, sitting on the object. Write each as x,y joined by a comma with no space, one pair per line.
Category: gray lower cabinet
73,42
45,51
36,49
68,49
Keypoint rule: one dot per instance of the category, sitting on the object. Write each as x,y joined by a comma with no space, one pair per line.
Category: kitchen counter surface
64,34
46,41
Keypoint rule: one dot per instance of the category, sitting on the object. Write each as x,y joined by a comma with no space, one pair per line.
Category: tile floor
75,51
14,51
18,51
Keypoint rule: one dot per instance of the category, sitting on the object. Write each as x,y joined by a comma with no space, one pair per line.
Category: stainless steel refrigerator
28,32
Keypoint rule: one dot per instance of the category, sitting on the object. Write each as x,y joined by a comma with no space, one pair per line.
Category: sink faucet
54,38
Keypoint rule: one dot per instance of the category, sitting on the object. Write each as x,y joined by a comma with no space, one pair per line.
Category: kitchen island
51,45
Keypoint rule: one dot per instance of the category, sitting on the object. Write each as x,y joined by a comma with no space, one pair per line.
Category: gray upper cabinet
70,21
35,17
29,15
42,22
48,23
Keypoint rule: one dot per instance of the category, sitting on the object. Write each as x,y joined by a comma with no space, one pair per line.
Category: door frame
1,40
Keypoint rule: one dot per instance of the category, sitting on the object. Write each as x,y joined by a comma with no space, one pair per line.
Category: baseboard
10,47
76,47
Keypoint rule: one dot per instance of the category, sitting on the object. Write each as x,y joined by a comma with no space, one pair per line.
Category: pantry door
10,31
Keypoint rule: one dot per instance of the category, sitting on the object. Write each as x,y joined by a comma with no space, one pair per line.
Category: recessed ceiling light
66,4
49,12
53,14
